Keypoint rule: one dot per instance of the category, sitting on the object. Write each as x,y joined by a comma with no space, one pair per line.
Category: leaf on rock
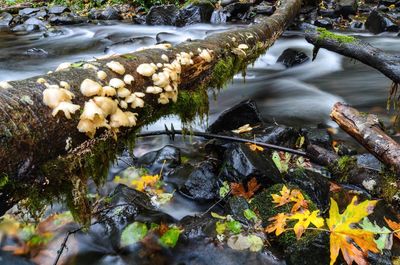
224,190
146,181
383,239
133,233
306,218
234,226
239,190
288,196
170,238
254,147
278,224
243,129
394,226
250,215
240,242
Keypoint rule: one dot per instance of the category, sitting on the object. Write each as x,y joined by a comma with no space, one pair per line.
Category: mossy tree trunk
37,148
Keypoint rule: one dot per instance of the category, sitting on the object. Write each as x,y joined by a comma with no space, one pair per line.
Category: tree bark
387,64
368,132
32,140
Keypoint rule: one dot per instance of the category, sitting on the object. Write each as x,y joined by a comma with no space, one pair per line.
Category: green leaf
77,64
282,165
223,191
256,243
215,215
250,215
234,226
170,238
383,239
220,227
133,233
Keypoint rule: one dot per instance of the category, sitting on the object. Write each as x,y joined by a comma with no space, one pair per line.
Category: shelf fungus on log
34,143
365,128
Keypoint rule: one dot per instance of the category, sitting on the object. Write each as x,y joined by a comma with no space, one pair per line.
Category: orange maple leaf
394,226
254,147
278,225
239,190
288,196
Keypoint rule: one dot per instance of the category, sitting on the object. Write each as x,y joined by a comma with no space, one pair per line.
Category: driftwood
387,64
368,132
37,148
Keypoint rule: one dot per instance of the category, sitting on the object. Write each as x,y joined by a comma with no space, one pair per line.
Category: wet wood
365,128
30,136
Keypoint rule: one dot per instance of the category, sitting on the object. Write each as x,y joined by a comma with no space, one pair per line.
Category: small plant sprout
54,96
116,67
165,58
107,105
91,111
145,69
123,92
90,88
163,99
128,79
89,66
63,66
161,79
154,90
65,85
205,55
101,75
117,83
108,91
243,46
67,107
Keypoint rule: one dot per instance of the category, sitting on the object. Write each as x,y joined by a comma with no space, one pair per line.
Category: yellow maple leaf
278,225
305,219
146,181
343,233
288,196
254,147
282,199
243,129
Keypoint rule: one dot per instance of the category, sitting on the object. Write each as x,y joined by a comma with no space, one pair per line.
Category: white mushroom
89,66
136,102
128,79
243,46
131,117
168,88
108,91
161,79
65,85
154,90
63,66
164,46
165,58
159,65
145,69
119,119
101,75
41,80
205,55
90,88
123,104
117,83
116,67
163,99
88,127
67,107
54,96
107,105
91,111
140,94
123,92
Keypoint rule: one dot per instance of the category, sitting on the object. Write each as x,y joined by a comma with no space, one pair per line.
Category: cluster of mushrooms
108,104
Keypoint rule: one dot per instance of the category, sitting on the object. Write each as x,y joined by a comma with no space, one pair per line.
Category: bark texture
368,132
387,64
30,136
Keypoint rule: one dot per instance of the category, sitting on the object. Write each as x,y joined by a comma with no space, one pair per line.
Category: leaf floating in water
170,238
133,233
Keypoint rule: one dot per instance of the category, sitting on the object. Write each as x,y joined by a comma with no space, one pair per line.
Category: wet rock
28,11
369,161
238,11
346,7
277,134
162,15
202,184
219,17
378,22
198,227
194,13
291,57
389,2
58,10
36,52
356,24
328,13
324,23
239,115
67,19
240,164
6,258
317,136
110,13
314,184
5,19
31,24
264,9
228,2
237,206
166,158
52,33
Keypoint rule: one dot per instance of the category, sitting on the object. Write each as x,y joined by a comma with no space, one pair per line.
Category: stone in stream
36,52
378,22
162,15
236,206
346,7
194,13
239,115
318,136
110,13
5,19
291,57
31,24
238,11
58,10
28,11
202,183
277,134
265,9
324,23
67,19
166,158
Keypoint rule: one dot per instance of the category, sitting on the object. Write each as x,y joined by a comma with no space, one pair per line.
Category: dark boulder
327,13
378,22
58,10
277,134
237,205
324,23
110,13
317,136
166,158
162,15
291,57
346,7
202,184
239,115
228,2
28,11
389,2
238,11
68,19
31,24
5,19
194,13
240,164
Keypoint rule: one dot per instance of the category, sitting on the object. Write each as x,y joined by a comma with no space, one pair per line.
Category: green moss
343,167
389,186
3,180
191,104
325,34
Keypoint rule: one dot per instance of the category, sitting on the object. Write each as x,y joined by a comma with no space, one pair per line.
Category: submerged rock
162,15
5,19
36,52
378,22
166,158
291,57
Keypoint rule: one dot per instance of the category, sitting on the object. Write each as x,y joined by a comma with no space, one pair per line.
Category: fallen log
38,149
387,64
368,132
